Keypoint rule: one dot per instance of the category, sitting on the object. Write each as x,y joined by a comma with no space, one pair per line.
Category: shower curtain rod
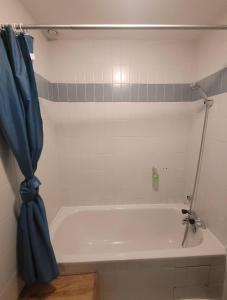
119,26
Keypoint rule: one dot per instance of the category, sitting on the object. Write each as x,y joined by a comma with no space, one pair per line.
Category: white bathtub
136,250
124,232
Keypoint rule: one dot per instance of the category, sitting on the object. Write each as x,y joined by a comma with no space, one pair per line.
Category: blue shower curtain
21,125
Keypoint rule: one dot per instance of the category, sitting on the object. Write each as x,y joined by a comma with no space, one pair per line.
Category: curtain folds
21,125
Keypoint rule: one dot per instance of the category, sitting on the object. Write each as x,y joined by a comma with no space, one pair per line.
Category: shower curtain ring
14,27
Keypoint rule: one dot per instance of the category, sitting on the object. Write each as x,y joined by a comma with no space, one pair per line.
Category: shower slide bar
208,104
119,26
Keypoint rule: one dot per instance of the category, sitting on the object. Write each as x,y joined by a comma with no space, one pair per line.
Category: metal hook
21,29
17,28
14,27
25,31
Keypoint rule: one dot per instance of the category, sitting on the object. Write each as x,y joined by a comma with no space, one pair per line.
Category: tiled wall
48,171
112,147
106,151
211,196
121,61
213,84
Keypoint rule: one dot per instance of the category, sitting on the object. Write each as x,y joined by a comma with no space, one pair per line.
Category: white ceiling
127,11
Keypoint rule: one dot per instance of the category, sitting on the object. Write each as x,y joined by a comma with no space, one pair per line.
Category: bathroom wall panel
106,151
48,170
212,191
211,197
126,61
214,84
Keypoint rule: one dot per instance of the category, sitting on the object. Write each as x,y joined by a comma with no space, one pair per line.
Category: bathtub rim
210,246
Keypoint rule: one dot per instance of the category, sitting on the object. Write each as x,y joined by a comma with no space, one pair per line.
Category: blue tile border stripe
96,92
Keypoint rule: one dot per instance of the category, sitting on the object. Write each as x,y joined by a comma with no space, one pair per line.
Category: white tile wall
131,61
211,201
106,151
193,146
211,193
48,170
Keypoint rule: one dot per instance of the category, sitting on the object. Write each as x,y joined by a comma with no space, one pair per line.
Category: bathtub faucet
193,219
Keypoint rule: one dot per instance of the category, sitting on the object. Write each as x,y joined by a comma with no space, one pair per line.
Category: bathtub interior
102,233
118,230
